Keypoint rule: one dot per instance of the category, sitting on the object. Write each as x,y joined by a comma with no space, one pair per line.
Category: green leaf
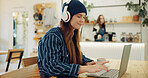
85,3
144,4
145,22
91,4
146,0
135,8
127,4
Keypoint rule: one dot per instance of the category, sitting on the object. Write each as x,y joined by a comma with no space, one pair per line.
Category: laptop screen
124,60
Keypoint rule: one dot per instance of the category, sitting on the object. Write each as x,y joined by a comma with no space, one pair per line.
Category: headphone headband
66,15
68,2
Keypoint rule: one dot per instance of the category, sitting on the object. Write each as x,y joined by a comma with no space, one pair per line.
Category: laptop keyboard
111,73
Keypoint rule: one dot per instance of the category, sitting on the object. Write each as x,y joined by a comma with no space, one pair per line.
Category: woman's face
77,20
101,19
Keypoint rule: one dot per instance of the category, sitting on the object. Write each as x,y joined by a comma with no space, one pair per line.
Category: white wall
7,7
0,12
4,38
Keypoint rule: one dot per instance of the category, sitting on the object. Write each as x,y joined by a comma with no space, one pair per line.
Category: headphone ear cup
66,16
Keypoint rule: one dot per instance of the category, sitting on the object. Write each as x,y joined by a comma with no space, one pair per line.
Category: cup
101,59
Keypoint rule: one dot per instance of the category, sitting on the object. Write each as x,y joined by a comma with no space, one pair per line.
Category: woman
101,30
59,49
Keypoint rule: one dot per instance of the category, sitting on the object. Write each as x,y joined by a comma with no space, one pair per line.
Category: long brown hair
99,23
72,39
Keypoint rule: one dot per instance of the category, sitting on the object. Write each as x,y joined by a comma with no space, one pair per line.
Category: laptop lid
124,60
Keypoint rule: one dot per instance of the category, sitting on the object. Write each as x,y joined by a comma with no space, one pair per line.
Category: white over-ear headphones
66,15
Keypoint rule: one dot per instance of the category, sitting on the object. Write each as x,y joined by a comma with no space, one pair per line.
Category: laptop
115,73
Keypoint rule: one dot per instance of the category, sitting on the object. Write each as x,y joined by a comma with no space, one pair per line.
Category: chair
14,54
29,61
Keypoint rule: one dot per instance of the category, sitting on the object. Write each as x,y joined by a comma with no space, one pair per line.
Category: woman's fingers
104,62
91,63
98,67
104,68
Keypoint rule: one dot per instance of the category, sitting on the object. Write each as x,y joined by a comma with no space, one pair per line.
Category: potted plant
141,9
88,7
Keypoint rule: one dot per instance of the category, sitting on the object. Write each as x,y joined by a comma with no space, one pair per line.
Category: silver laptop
115,73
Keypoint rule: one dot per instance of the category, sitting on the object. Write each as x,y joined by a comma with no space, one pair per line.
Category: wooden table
136,69
3,52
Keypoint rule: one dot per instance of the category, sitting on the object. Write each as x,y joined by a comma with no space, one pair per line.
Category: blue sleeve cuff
74,70
85,60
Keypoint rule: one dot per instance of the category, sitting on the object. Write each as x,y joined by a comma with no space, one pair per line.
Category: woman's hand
97,67
94,68
91,63
99,36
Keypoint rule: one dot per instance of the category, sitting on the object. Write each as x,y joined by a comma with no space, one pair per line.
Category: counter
112,50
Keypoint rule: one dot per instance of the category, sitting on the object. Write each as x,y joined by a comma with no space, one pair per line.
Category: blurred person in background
100,28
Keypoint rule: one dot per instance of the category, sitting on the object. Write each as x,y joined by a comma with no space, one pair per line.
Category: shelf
88,23
117,23
38,24
37,38
39,27
123,23
40,30
40,33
